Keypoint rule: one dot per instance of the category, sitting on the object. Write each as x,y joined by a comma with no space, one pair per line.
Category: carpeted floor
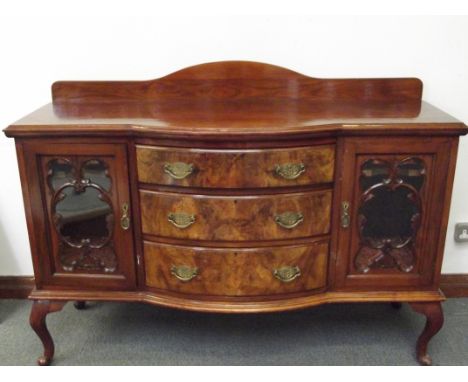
138,334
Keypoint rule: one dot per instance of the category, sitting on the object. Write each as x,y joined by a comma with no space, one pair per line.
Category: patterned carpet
138,334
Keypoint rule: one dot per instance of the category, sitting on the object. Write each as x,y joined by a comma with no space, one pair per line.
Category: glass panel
388,214
83,214
83,218
61,171
374,172
96,171
412,172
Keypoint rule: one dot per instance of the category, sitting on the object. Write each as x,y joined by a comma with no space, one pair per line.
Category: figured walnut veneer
235,218
236,272
237,187
237,168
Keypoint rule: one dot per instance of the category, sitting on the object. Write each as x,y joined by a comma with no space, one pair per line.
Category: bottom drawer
236,272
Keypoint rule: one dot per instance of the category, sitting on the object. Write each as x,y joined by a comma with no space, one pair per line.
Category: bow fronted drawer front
236,168
236,272
236,218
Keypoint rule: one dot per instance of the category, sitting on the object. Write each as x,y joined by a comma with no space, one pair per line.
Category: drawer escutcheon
287,274
345,218
289,220
125,218
290,170
181,219
178,170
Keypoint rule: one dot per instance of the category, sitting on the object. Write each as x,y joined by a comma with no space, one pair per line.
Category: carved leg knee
37,320
80,305
434,321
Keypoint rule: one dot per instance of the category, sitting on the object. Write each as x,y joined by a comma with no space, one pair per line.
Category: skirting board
453,285
16,286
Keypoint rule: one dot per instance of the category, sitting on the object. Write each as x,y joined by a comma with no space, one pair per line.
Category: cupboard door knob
184,272
125,219
287,274
289,170
178,170
289,220
345,218
181,219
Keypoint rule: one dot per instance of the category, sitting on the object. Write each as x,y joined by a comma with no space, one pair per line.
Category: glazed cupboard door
80,204
392,221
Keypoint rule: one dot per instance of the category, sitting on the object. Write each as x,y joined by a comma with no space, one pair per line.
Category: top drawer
235,168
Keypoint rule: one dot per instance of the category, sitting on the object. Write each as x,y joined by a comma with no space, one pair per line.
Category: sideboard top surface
235,98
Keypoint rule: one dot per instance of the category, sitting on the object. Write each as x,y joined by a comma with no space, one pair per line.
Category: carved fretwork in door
389,213
82,214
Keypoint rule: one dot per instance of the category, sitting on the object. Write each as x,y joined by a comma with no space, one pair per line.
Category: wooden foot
80,305
396,305
434,321
37,320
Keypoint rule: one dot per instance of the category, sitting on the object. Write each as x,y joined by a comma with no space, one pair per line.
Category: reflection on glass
389,208
61,171
412,171
96,171
374,172
83,214
83,217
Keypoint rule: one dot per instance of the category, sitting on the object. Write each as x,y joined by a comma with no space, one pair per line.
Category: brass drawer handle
184,272
289,170
345,218
289,220
125,219
287,274
178,170
181,219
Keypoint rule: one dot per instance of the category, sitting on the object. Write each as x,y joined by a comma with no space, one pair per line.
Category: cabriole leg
37,320
434,321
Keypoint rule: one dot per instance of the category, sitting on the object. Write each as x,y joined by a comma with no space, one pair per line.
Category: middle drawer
236,218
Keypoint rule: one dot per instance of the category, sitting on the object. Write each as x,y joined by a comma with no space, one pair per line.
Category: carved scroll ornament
389,214
82,214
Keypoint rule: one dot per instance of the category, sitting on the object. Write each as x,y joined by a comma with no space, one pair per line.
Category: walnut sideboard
237,187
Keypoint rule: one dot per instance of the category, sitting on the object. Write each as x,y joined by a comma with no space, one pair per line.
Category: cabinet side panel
34,213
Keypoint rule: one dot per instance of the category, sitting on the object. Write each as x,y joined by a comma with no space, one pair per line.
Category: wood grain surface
235,218
236,168
236,272
238,101
237,80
